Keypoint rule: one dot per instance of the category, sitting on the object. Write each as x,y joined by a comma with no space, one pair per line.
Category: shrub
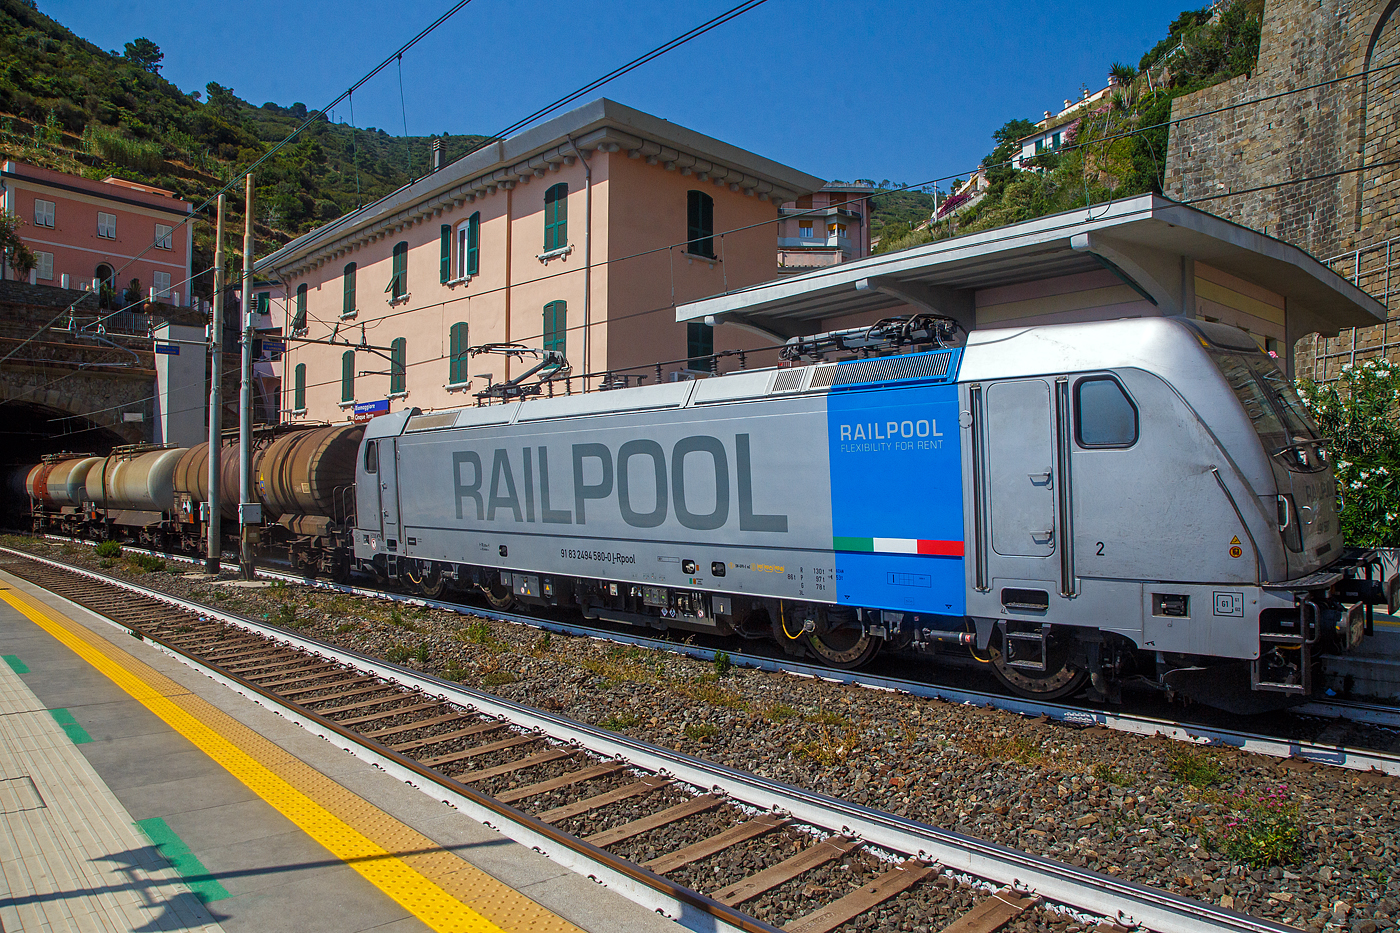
619,721
699,732
478,633
499,678
723,665
285,615
1190,768
1264,831
421,654
149,563
108,549
1360,414
397,654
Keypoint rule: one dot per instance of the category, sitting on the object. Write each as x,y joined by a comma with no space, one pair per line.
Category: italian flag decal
899,546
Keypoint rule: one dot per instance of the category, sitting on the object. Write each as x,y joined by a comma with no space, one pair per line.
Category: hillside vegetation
66,104
1116,147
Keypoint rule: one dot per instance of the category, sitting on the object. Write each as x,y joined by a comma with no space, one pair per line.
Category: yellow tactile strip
436,886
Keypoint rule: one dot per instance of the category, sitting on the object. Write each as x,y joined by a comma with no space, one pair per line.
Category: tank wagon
1073,503
158,496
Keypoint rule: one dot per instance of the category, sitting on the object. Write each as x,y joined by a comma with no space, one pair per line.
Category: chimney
1047,114
1067,103
437,154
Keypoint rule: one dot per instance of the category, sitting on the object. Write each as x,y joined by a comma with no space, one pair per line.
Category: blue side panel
896,497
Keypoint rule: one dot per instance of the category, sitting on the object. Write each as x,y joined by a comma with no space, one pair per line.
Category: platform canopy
1132,258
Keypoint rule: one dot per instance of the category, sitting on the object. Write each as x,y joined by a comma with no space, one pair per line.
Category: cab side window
372,457
1104,416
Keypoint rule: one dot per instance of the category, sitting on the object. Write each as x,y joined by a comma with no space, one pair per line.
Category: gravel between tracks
1146,809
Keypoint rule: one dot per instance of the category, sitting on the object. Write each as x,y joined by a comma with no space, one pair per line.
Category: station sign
367,410
274,346
168,349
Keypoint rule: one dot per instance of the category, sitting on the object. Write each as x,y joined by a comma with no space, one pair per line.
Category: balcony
817,213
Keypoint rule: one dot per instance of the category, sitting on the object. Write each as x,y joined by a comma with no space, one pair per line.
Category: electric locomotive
1075,504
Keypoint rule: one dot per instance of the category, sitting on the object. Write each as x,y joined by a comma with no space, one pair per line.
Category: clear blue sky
898,89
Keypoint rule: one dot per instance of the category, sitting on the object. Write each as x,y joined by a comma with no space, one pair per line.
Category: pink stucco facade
824,228
603,287
113,230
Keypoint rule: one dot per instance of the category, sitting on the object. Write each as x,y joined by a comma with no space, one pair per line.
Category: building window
457,355
1055,141
556,217
299,318
469,246
347,306
299,388
163,236
700,223
347,376
804,228
556,326
106,225
398,366
44,266
445,261
398,284
1039,146
700,346
161,280
43,213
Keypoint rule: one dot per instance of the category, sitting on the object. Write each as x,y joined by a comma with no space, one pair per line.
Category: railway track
709,845
1329,751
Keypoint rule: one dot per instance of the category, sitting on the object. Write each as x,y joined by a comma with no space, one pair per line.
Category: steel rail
1320,753
1127,902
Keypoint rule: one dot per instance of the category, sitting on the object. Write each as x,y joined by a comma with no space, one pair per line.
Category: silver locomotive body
1079,502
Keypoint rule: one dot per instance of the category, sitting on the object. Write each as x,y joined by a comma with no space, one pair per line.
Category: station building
580,235
101,235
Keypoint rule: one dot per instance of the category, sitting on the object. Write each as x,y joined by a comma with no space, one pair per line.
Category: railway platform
1372,669
138,794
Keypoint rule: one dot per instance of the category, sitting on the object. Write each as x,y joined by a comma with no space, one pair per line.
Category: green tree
12,247
144,54
220,99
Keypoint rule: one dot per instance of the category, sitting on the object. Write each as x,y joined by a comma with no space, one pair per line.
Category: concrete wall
182,389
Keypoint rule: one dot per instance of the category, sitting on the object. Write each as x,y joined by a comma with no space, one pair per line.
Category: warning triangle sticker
1235,539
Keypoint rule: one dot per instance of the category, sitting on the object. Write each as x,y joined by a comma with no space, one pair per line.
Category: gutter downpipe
587,259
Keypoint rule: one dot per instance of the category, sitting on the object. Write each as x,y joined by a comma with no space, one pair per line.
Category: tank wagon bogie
1076,505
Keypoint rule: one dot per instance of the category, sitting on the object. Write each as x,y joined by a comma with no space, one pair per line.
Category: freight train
1074,505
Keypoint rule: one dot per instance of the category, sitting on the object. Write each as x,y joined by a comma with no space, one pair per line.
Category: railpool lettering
516,477
889,430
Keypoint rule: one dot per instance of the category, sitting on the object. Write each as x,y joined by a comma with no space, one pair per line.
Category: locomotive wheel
1060,678
432,583
500,597
845,647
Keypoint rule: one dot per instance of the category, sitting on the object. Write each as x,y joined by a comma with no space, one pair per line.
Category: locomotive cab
1162,506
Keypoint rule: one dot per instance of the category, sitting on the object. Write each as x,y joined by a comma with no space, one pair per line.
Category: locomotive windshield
1268,398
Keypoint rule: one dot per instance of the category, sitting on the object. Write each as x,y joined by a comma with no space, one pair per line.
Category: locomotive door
389,489
1021,479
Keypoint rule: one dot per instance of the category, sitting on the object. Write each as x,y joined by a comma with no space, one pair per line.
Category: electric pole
214,545
249,511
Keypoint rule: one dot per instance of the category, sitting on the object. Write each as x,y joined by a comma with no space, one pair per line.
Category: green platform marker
192,871
16,664
70,725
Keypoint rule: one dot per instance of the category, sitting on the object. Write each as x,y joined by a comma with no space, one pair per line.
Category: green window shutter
398,366
262,302
299,390
398,285
299,320
556,326
457,363
700,346
700,223
474,245
445,265
348,305
347,376
556,217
